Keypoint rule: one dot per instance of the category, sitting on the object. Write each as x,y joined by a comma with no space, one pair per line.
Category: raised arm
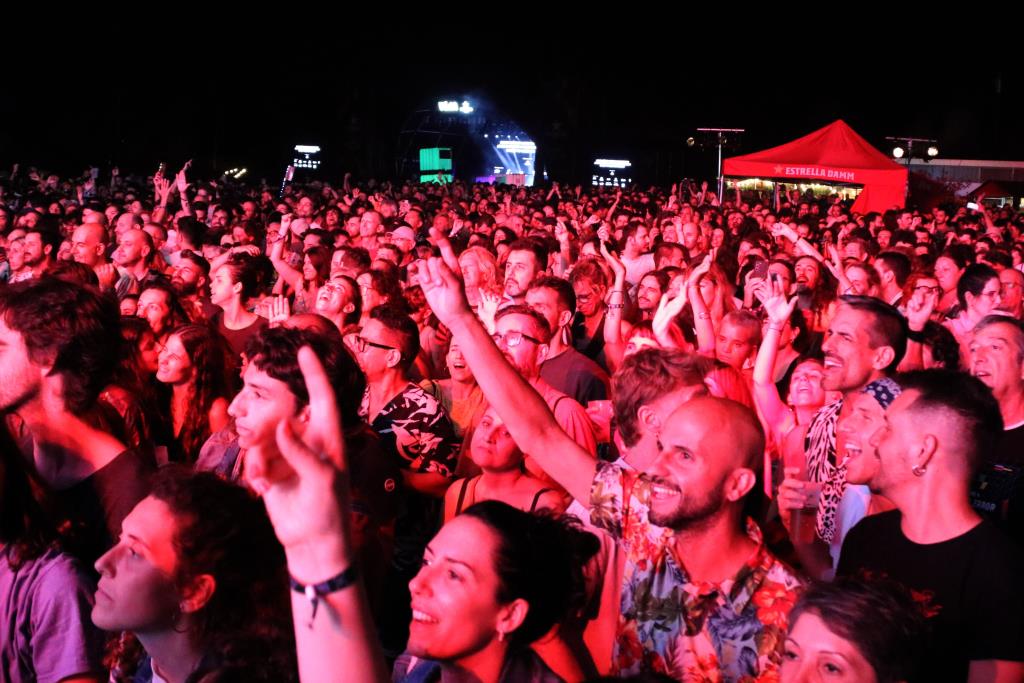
524,412
919,311
702,322
613,343
777,416
290,275
307,497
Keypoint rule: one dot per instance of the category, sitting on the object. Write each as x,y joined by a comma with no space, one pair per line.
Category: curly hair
208,353
244,631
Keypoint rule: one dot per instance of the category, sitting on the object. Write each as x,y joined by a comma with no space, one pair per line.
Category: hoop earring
918,470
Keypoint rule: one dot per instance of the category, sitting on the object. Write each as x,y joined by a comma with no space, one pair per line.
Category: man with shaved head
89,244
696,567
133,257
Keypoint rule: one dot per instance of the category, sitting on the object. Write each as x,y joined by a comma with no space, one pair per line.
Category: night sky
248,104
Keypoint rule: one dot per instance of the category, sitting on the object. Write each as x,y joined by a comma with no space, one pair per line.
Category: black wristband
916,336
344,579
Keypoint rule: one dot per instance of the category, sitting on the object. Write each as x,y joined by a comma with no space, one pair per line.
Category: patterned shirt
692,631
414,428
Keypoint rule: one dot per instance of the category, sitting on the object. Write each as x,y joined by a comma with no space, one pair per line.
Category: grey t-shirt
45,613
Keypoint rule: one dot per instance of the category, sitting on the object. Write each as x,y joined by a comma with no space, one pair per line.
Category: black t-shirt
969,587
997,492
237,339
98,504
576,376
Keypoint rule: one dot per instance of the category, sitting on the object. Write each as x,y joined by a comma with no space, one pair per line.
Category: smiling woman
494,579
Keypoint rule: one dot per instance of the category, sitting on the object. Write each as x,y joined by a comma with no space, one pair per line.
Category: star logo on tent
778,169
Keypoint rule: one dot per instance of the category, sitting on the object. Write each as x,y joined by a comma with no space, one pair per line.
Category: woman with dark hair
197,584
502,474
304,282
132,392
978,293
44,594
852,630
494,580
949,267
231,286
377,289
194,363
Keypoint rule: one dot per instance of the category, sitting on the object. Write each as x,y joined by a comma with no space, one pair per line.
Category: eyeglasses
927,290
513,338
360,342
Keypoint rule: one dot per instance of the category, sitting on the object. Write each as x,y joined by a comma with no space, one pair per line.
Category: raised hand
163,188
444,245
702,269
181,180
776,306
280,311
442,290
487,308
668,308
920,308
306,490
286,224
613,261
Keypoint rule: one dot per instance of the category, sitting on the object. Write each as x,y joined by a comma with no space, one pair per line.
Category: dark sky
247,105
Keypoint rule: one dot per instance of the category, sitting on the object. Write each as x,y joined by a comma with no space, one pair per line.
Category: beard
689,511
183,288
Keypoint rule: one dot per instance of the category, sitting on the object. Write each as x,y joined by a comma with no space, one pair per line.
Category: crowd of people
451,432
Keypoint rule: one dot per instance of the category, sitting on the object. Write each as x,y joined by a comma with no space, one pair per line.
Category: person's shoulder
56,571
867,535
994,543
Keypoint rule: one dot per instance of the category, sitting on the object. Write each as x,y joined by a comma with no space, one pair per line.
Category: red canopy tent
833,154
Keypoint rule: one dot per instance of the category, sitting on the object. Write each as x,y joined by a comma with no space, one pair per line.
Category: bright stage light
897,152
933,151
517,146
307,149
612,163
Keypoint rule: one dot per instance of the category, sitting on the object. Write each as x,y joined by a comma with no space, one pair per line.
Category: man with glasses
523,335
1011,281
417,434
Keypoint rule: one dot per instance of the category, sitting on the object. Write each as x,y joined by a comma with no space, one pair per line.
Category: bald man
695,565
133,257
89,244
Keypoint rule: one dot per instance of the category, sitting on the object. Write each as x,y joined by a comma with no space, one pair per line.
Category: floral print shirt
692,631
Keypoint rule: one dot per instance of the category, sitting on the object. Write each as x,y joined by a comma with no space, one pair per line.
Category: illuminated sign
452,107
306,157
817,172
612,163
605,174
